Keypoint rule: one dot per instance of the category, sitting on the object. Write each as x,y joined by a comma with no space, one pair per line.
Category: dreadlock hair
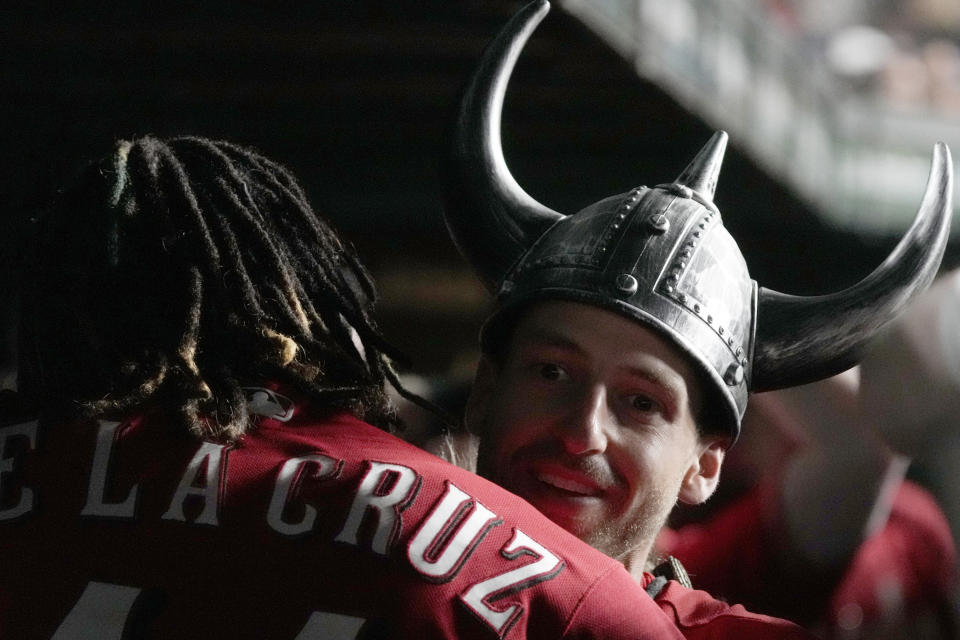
177,270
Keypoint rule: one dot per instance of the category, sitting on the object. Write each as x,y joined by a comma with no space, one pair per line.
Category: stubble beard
632,542
618,540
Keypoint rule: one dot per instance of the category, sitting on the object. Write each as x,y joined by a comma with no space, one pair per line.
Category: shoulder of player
915,507
697,613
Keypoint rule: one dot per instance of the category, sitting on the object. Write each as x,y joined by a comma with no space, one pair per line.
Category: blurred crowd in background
902,53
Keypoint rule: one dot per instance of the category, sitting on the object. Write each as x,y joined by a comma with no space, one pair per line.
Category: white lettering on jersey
385,491
25,503
210,457
290,472
96,490
445,541
100,614
330,626
480,596
105,611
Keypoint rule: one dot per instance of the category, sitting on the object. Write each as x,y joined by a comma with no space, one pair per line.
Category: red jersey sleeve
700,616
907,568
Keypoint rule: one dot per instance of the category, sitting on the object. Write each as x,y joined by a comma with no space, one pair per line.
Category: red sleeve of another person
700,616
905,569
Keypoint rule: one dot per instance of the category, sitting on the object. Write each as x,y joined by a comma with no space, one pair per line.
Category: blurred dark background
355,98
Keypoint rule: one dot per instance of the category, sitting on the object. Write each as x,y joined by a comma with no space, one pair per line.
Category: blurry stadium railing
862,165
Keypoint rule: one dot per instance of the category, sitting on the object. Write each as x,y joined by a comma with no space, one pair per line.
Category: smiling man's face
591,418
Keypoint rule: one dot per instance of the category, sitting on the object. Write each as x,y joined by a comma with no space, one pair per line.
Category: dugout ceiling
355,97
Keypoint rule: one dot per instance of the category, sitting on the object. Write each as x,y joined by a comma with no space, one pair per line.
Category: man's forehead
544,334
593,331
578,325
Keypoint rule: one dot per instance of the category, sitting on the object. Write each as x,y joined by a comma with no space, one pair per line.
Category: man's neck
638,560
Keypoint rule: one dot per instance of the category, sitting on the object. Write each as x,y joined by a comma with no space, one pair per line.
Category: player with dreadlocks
200,353
181,288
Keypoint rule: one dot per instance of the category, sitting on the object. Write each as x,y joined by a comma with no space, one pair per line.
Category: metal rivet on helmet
658,224
626,284
734,375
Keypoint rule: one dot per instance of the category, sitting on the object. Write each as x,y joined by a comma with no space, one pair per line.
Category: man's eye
550,371
643,403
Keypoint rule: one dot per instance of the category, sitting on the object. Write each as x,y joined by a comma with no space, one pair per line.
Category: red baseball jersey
312,526
700,616
905,571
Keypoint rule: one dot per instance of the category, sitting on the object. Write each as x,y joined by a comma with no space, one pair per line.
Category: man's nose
583,429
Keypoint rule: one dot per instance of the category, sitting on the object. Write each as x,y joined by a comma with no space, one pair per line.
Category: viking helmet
662,256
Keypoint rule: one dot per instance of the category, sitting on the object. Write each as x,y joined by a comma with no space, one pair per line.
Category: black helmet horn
491,218
802,339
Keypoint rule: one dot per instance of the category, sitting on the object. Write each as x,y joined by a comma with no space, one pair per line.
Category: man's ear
703,474
480,395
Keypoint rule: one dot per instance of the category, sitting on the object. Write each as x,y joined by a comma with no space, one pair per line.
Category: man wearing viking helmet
626,337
